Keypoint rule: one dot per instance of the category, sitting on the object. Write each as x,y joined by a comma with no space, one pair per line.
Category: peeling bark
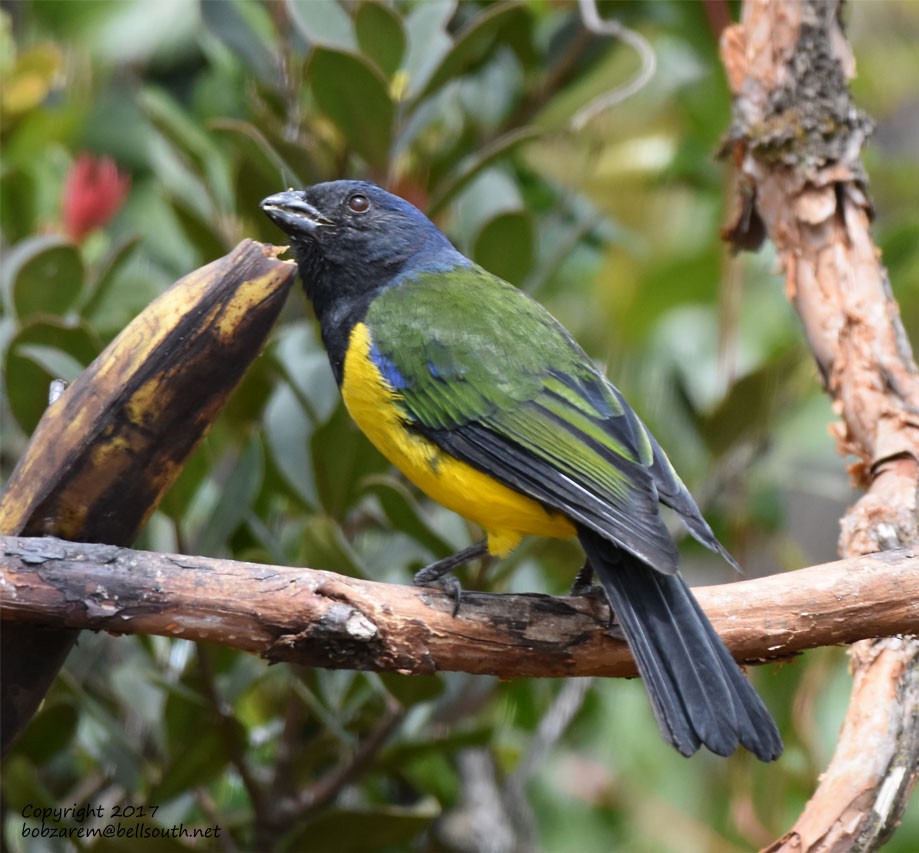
796,139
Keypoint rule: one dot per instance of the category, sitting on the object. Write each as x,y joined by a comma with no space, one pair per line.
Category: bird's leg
584,586
584,582
434,572
433,575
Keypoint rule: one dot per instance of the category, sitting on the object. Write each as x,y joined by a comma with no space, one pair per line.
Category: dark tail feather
697,691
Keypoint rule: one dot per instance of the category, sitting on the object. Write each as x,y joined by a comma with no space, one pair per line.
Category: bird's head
352,238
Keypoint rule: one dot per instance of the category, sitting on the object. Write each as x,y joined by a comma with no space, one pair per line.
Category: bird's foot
584,586
448,583
438,574
584,582
613,628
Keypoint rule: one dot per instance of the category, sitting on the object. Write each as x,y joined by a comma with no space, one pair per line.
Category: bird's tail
697,691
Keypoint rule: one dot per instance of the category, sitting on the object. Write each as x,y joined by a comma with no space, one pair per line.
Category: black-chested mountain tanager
488,405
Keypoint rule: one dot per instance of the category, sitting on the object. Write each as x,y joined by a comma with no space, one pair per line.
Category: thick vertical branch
796,139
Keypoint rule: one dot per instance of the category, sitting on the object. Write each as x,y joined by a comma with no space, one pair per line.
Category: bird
489,406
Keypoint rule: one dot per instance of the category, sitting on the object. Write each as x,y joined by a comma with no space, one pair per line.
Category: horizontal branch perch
319,618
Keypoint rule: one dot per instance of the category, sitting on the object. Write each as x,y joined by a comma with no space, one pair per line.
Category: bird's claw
446,582
613,628
586,590
584,587
439,573
584,582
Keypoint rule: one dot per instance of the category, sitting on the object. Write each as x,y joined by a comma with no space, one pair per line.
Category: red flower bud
93,194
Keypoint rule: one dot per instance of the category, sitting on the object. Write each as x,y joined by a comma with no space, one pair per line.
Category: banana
109,447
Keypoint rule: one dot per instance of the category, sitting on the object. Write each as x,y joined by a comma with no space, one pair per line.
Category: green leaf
473,43
323,546
288,431
23,785
306,366
413,689
191,140
342,457
354,95
428,41
325,24
259,150
19,211
899,244
749,410
45,276
671,280
237,496
403,512
114,265
178,499
196,748
473,166
198,756
347,831
496,225
27,380
489,194
446,742
504,246
246,29
199,230
49,732
380,35
53,361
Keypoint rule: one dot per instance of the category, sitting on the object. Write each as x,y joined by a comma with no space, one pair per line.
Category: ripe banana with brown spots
109,447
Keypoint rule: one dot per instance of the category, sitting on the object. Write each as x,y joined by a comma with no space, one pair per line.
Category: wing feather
493,379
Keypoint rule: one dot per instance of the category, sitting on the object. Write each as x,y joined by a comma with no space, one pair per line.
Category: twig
590,16
480,821
229,729
324,791
552,726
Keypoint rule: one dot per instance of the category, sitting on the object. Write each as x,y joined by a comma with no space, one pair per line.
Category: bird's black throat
340,295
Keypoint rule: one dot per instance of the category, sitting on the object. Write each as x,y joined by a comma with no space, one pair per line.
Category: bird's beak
292,213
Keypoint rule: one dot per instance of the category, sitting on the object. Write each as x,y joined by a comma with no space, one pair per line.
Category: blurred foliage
464,109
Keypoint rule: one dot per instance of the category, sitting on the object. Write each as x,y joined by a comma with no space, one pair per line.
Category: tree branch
796,138
319,618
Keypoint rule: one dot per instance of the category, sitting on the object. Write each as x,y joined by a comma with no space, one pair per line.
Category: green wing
493,379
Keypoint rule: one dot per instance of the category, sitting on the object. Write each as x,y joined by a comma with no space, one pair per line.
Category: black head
352,238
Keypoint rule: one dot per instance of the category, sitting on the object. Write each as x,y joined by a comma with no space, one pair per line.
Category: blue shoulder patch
388,369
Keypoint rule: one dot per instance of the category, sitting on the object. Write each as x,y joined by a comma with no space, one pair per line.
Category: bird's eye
358,203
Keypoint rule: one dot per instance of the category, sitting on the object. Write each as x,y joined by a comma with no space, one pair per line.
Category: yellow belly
505,515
